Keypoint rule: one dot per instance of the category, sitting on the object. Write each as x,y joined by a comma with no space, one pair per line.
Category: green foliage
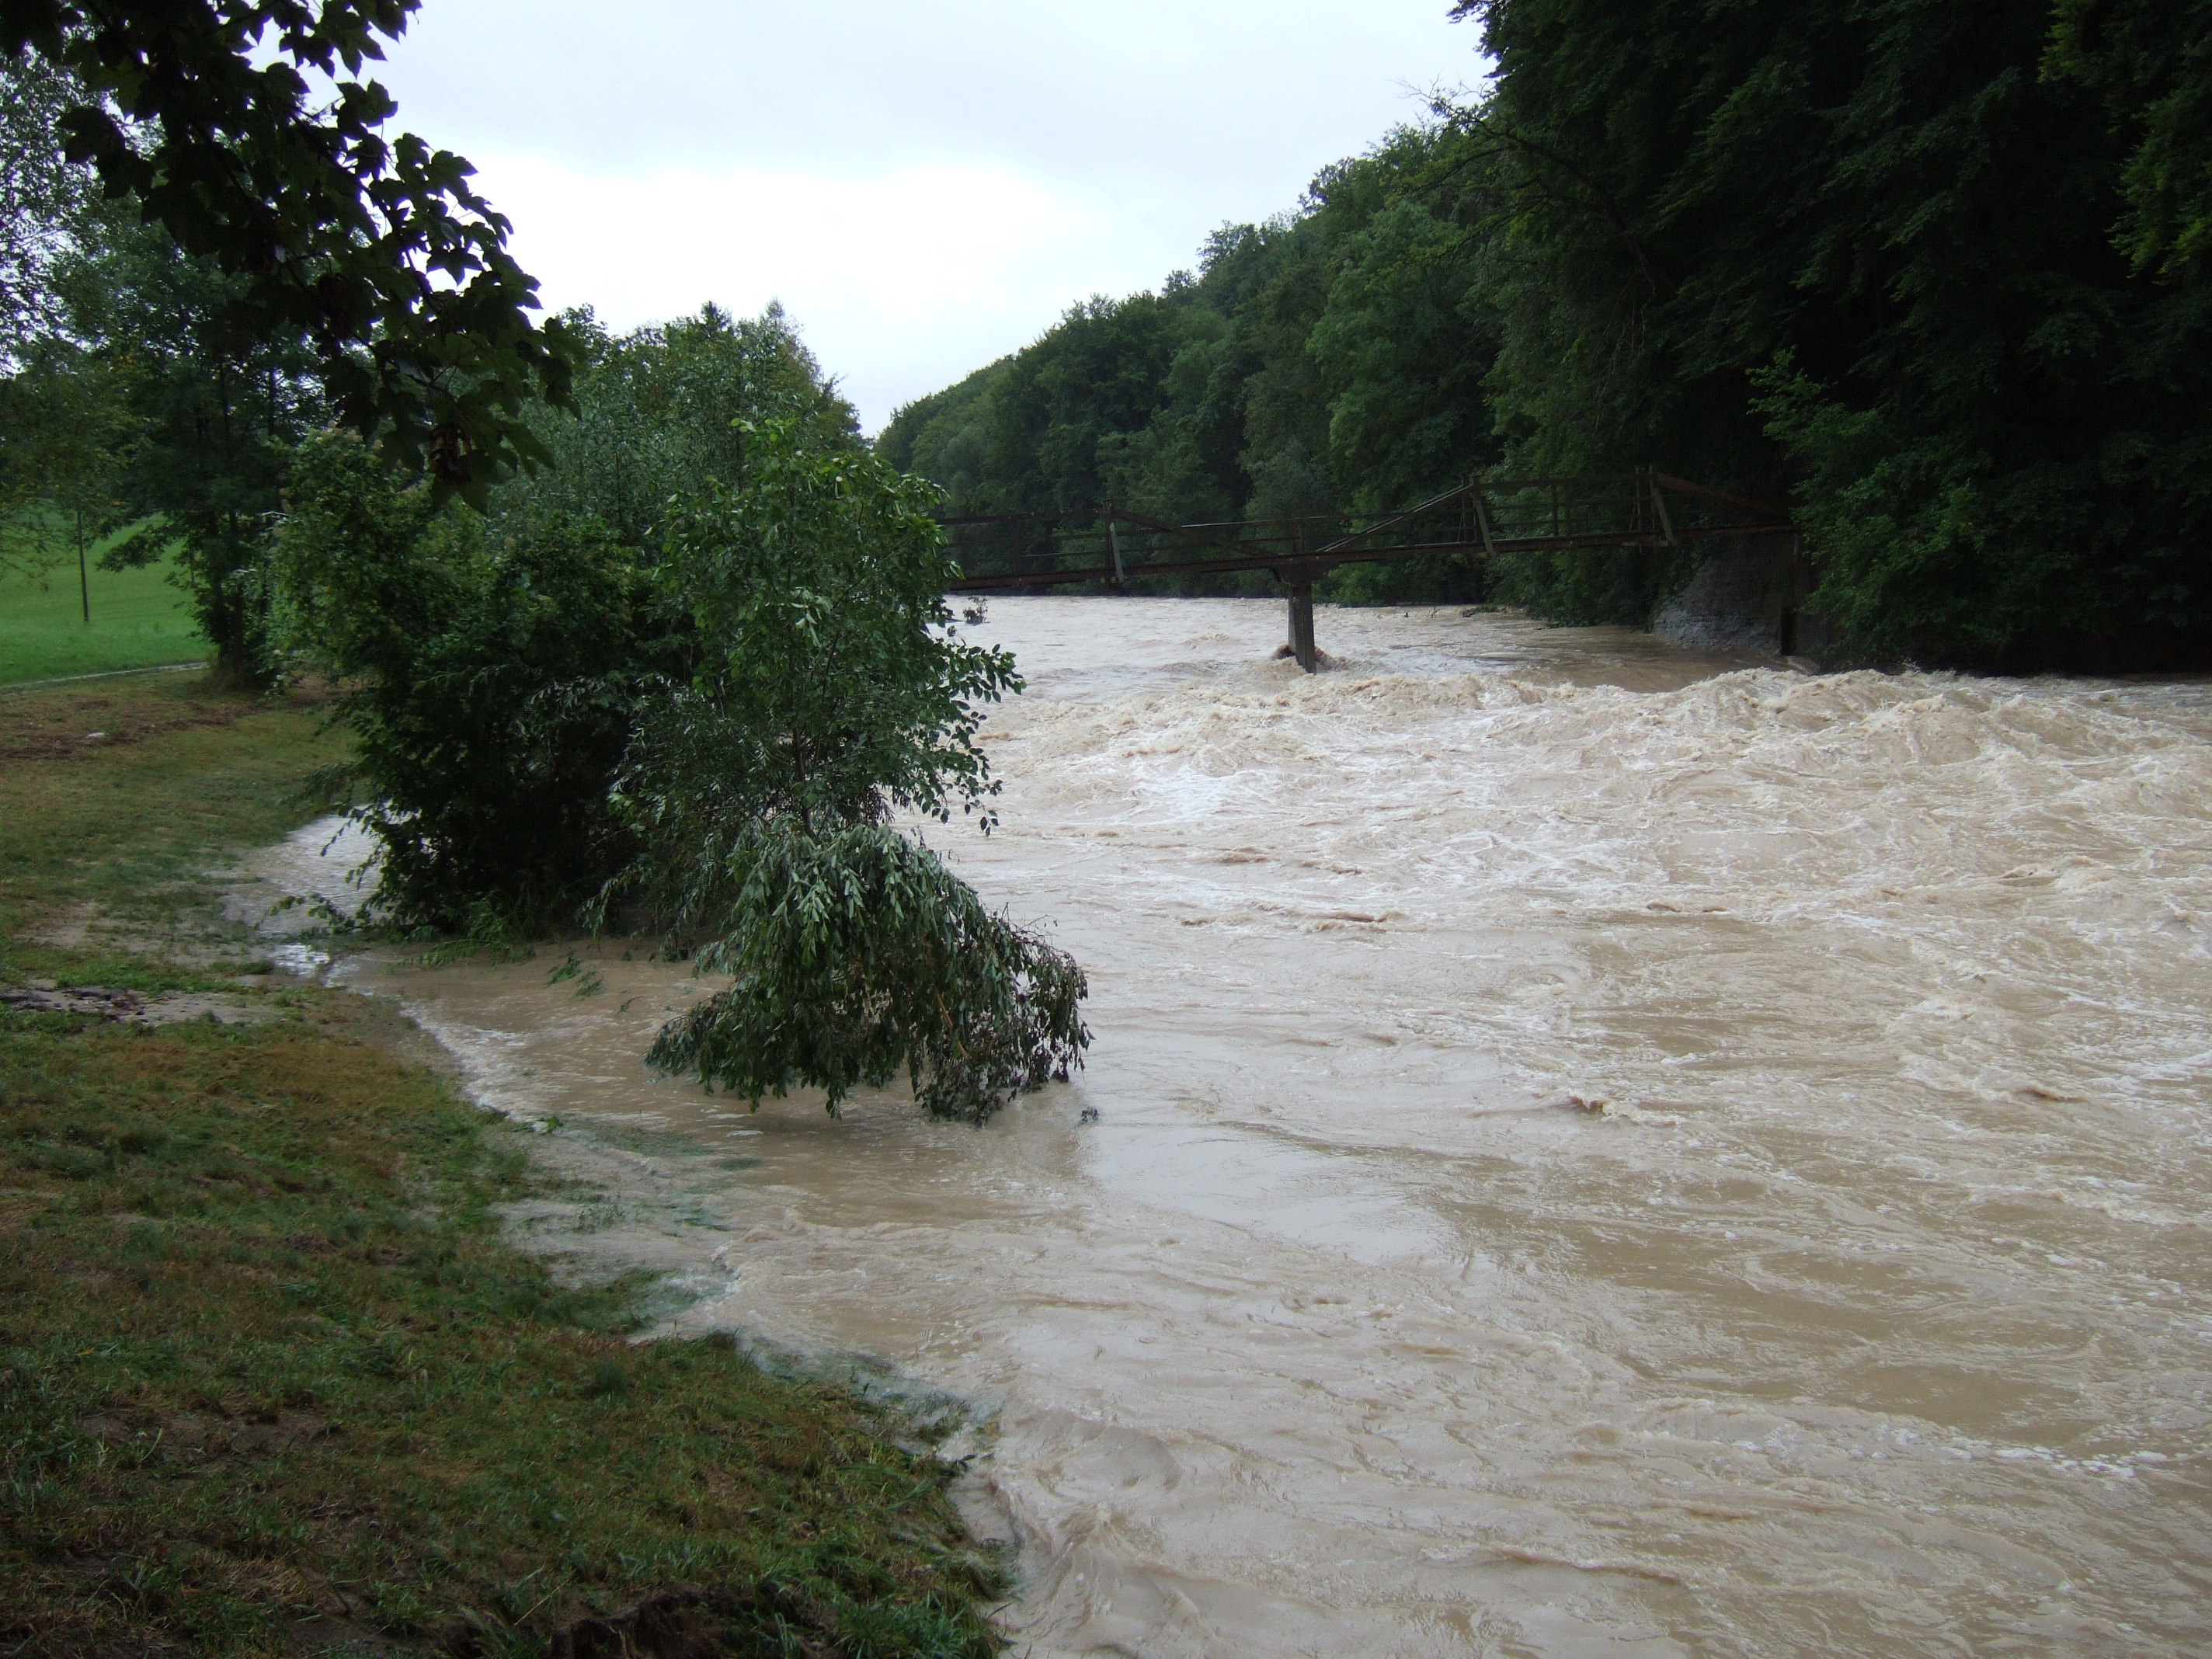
1867,254
1328,360
656,416
1942,273
64,416
831,684
1580,587
1400,342
2150,63
486,669
856,954
209,410
267,260
44,199
66,424
703,730
495,668
268,1352
372,254
831,690
946,438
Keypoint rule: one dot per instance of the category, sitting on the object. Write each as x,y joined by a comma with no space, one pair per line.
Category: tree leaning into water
706,716
858,955
832,691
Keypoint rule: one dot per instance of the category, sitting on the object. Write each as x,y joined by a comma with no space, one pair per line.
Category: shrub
830,691
486,673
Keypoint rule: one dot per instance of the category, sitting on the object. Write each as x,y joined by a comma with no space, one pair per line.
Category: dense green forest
1938,274
1335,357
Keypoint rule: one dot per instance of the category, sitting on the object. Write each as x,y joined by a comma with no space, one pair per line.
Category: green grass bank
140,619
272,1381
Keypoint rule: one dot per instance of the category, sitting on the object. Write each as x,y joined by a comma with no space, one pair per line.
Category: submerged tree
858,955
831,692
704,711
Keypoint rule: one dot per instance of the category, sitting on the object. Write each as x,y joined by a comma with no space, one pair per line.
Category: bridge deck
1112,546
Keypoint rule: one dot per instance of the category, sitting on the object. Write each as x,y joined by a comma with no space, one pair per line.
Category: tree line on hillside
626,631
1332,359
1937,275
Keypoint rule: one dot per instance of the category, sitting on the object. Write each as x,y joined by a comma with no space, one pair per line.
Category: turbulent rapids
1601,1151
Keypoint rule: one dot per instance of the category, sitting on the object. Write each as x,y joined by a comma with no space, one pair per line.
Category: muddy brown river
1601,1151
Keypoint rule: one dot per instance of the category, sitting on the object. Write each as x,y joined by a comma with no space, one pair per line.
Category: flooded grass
270,1378
116,798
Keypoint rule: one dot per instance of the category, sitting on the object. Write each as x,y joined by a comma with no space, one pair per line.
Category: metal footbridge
1113,548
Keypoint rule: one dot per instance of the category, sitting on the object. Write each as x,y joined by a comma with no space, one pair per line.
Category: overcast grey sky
924,187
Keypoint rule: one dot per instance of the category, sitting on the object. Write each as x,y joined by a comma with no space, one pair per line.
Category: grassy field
271,1380
139,620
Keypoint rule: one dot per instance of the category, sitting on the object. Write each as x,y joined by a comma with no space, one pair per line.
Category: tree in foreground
485,672
372,252
206,233
832,692
492,669
701,714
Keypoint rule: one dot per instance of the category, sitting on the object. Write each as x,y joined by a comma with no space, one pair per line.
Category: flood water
1601,1151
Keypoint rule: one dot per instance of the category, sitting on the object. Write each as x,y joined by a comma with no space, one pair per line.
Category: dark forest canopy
247,130
1940,273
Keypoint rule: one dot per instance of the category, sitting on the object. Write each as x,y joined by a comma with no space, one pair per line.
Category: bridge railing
1113,545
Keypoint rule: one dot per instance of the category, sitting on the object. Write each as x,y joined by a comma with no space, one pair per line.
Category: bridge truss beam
1111,546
